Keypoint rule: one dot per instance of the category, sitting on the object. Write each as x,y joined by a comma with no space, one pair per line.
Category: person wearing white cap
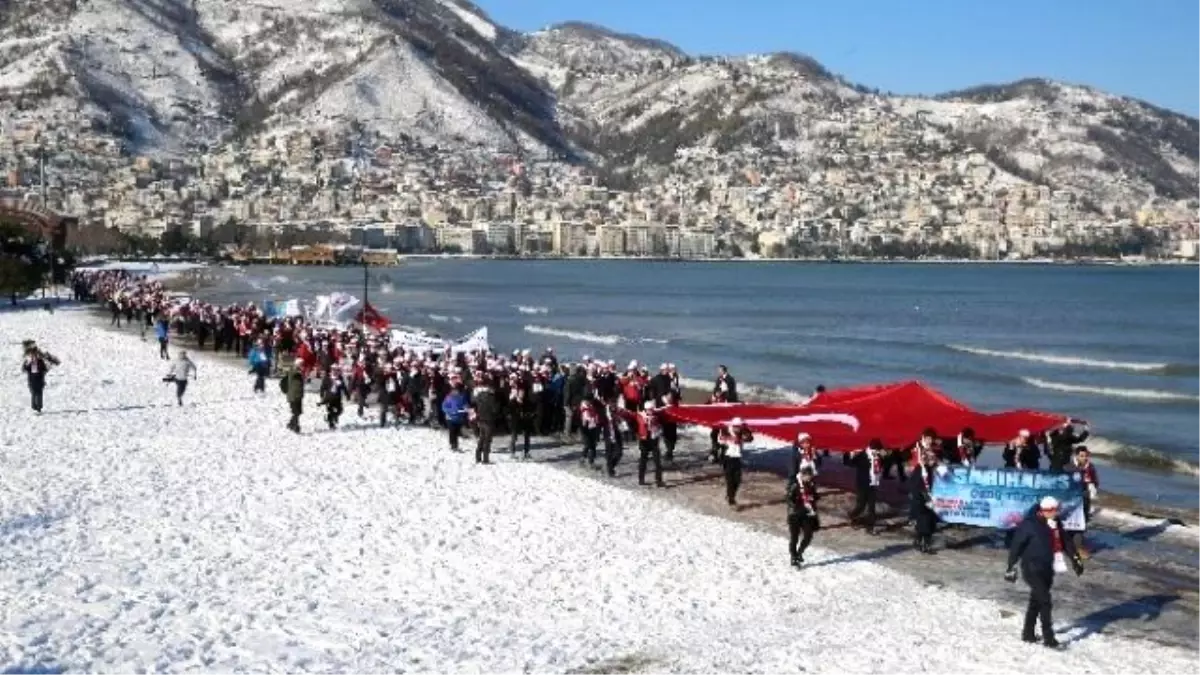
733,439
1022,452
1042,548
724,391
649,430
803,455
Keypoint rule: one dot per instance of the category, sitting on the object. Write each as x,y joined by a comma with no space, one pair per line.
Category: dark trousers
385,404
333,413
35,396
483,446
800,533
715,448
162,349
520,426
894,459
733,478
364,390
864,506
297,407
260,378
1040,606
670,436
591,439
613,449
180,389
926,525
454,430
647,451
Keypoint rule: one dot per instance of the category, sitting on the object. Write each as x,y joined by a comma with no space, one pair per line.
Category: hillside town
874,189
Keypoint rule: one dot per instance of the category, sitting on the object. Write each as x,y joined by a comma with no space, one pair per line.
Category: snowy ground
135,535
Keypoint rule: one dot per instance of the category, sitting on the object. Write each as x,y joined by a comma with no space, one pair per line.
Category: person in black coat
920,487
35,366
801,514
1042,548
1062,445
333,394
485,409
868,472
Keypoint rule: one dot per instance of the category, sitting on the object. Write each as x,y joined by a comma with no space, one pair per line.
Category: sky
1147,49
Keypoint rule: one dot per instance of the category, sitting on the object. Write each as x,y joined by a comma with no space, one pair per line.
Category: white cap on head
1024,433
633,365
802,436
663,367
648,405
1048,503
736,422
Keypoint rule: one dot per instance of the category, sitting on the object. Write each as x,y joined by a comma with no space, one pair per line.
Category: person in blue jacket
260,365
163,333
454,406
558,385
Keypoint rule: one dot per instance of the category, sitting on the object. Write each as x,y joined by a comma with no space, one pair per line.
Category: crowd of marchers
519,396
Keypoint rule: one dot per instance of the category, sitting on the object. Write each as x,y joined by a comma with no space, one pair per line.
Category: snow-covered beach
137,535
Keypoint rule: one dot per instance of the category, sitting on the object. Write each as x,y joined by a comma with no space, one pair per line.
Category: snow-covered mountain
172,75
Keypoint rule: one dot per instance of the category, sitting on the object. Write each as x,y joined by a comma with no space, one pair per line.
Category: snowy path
138,535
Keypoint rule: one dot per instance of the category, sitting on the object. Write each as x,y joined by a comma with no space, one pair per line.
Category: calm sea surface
1114,345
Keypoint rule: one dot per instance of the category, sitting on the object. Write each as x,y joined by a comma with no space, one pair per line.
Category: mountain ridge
179,77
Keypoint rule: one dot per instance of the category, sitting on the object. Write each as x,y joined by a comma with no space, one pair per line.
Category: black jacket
1062,445
1033,546
487,410
795,506
575,388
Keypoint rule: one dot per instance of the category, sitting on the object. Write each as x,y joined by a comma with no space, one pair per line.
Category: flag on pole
371,318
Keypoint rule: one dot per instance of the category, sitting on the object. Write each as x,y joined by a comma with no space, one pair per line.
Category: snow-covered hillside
194,76
138,535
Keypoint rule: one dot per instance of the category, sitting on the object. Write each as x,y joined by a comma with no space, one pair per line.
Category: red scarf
1057,539
876,465
807,493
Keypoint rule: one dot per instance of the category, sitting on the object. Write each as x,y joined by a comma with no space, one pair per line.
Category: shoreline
1160,558
149,536
191,284
1128,506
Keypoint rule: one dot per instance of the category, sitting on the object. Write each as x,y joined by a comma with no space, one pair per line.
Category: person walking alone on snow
802,514
180,371
35,366
454,407
1043,549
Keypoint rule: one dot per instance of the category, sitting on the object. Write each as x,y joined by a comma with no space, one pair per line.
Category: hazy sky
1142,48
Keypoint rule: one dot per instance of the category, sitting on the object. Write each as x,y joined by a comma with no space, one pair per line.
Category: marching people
333,393
921,500
868,471
454,407
801,514
485,409
180,371
1042,547
724,391
292,384
614,445
648,433
966,449
1062,443
733,441
670,430
389,393
803,455
35,366
589,430
1091,488
521,404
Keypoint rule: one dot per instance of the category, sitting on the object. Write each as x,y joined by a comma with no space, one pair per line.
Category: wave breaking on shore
1079,361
